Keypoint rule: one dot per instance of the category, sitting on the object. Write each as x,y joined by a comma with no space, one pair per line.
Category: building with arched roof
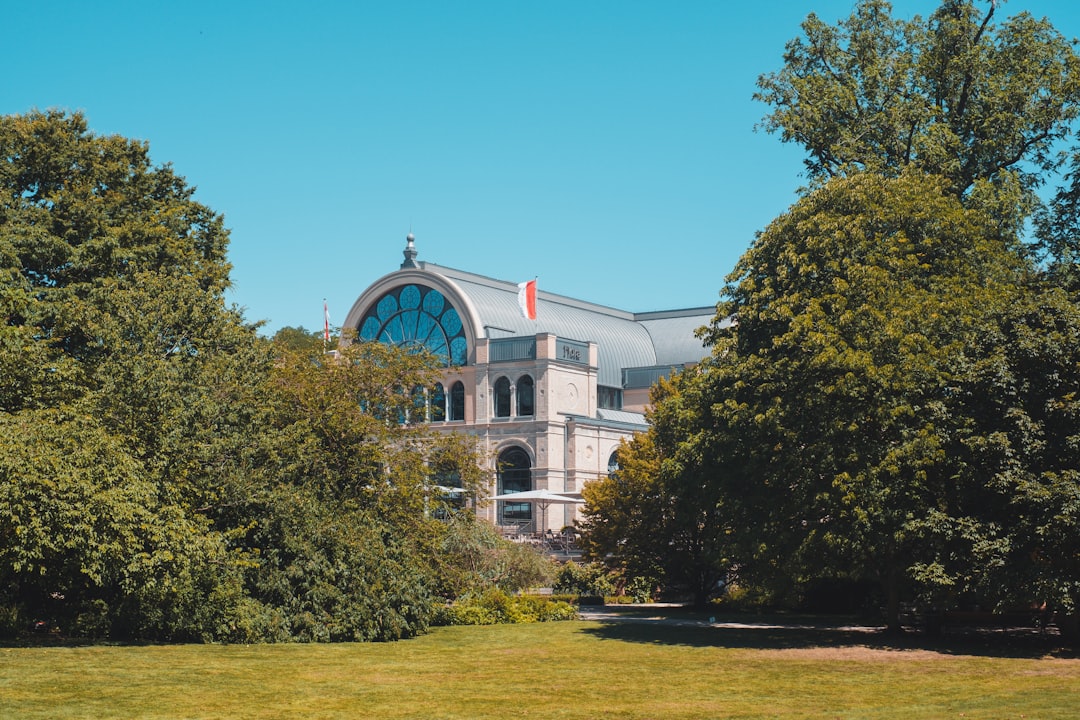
549,398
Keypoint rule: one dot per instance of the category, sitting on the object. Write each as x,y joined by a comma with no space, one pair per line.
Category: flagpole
326,325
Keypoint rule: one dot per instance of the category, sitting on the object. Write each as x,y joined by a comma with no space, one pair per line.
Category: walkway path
639,614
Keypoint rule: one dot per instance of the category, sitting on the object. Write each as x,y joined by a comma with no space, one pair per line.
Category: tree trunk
701,598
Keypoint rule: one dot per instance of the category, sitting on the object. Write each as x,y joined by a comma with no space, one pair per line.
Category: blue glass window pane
457,401
438,403
370,329
387,307
451,322
410,297
425,328
394,331
409,319
434,302
459,351
437,345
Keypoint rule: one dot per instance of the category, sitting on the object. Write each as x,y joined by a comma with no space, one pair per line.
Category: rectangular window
608,398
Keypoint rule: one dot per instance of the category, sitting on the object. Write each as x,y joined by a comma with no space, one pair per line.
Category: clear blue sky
606,147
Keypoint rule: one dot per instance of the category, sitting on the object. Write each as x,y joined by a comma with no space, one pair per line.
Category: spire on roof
410,253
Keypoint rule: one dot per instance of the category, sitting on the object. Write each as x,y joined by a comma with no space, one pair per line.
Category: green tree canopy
118,345
165,472
896,399
660,516
853,311
954,95
78,207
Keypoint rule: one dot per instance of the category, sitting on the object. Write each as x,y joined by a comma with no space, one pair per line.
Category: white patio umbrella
541,498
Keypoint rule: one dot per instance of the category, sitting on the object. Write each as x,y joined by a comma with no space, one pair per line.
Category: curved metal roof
620,341
674,334
624,340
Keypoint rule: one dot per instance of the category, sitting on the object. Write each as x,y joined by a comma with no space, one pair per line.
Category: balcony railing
643,377
510,349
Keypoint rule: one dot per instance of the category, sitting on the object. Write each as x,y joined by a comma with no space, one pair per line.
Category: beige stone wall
565,452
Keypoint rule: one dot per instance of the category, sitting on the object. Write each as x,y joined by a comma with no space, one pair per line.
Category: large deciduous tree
115,331
833,400
165,472
991,107
954,95
897,398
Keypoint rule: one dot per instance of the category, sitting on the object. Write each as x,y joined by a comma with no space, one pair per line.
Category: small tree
659,515
472,558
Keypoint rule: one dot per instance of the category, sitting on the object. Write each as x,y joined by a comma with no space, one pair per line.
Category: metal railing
509,349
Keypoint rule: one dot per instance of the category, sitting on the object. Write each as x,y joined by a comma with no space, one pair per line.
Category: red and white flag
326,321
527,299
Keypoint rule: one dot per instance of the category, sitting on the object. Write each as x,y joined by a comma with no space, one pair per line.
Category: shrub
640,589
473,558
588,579
496,607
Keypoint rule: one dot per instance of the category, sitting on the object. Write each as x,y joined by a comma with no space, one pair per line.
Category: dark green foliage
334,574
953,95
896,404
834,405
78,207
164,472
123,374
659,516
88,545
1021,388
897,400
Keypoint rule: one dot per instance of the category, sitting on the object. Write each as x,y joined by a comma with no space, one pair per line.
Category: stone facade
548,399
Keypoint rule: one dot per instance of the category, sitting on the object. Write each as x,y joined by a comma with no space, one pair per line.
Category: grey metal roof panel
621,342
621,416
674,339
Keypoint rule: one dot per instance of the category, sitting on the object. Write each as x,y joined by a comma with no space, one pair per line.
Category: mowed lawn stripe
550,670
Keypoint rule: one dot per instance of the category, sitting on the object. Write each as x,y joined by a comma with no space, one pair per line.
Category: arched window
501,397
438,403
613,464
525,395
417,316
515,475
457,401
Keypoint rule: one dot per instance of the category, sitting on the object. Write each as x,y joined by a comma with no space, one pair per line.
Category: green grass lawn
588,669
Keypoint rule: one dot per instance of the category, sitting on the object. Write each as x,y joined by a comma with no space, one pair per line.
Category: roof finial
410,253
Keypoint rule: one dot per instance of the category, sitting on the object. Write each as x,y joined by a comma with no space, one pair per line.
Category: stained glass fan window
417,316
